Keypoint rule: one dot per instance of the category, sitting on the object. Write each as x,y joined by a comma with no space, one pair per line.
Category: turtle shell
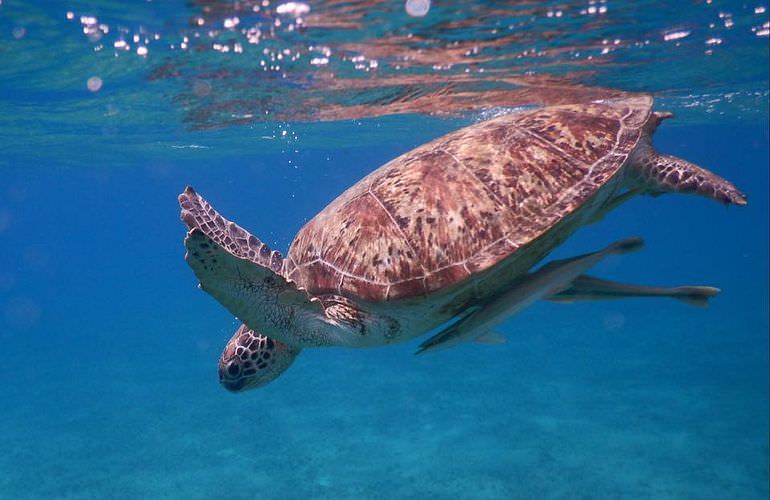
462,203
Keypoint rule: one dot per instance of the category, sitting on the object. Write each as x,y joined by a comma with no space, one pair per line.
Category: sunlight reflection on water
342,60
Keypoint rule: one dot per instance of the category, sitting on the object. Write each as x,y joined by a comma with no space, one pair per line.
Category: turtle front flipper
244,275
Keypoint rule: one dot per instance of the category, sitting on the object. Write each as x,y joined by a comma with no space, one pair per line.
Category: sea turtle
446,232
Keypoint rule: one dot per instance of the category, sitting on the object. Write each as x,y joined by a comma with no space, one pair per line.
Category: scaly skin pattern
198,213
251,360
665,174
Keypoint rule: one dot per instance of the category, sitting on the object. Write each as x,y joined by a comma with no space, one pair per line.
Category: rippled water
108,380
160,68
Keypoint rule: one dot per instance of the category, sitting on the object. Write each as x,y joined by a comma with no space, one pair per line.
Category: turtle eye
233,369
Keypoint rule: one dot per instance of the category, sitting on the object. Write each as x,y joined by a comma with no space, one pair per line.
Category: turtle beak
233,385
230,376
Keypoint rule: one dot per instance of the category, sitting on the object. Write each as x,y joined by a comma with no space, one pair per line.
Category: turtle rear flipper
244,275
666,173
661,173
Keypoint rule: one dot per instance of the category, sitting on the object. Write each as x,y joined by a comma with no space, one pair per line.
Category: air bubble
94,84
417,8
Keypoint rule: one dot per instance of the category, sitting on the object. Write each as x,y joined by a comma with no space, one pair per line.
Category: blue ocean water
108,381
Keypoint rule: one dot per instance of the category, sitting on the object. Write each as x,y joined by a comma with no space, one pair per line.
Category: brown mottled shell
462,203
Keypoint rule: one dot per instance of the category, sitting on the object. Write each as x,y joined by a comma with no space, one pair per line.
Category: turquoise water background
108,351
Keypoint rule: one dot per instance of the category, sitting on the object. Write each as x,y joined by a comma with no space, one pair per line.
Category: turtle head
251,360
